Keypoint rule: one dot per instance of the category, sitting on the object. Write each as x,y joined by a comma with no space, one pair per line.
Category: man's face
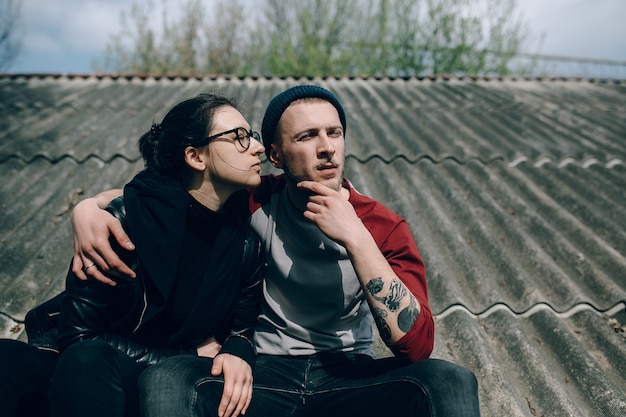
310,143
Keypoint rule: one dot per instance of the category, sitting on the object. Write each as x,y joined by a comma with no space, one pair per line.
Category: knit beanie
280,103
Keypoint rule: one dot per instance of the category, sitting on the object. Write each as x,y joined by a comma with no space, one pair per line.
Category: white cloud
88,27
69,24
582,28
40,42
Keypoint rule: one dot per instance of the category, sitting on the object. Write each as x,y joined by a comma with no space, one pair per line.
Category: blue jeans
322,384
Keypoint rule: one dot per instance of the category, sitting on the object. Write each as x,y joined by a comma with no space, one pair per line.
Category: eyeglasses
242,135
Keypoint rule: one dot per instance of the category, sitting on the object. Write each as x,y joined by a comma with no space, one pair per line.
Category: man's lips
327,170
325,167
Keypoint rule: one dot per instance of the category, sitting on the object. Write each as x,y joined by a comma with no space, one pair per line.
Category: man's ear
195,158
275,156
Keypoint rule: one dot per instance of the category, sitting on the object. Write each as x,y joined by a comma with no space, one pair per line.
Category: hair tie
155,131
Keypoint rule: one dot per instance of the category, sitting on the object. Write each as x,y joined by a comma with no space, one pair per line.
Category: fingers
94,270
92,229
316,187
235,398
77,268
84,269
237,392
120,236
106,258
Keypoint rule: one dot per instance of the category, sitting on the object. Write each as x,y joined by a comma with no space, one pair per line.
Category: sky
66,36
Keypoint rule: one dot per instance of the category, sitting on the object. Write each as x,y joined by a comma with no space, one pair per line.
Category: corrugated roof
515,191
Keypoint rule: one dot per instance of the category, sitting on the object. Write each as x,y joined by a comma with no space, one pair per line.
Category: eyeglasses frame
249,134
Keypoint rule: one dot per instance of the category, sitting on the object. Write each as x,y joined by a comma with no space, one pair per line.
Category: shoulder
386,226
270,185
370,210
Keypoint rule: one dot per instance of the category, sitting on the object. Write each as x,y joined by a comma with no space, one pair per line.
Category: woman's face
228,162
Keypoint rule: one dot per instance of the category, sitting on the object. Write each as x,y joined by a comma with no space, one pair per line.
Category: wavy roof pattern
514,189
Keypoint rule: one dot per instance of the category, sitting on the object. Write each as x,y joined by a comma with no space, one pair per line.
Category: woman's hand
237,384
93,255
209,348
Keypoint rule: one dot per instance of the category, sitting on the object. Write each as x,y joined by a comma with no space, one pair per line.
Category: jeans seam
374,384
193,401
199,382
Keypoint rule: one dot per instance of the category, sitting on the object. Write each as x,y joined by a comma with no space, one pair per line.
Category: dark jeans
25,373
323,384
92,378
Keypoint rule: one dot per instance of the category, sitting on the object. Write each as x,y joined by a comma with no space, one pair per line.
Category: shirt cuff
240,346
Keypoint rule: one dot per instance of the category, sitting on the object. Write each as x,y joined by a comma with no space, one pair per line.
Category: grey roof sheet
514,191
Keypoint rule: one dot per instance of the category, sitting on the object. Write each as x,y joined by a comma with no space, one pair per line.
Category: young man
337,262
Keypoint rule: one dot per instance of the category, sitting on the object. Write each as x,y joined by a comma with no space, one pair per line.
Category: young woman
198,277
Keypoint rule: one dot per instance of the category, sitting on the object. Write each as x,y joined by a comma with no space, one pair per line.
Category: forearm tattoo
393,300
407,317
381,323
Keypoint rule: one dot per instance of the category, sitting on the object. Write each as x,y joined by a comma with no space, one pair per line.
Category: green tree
306,37
193,43
323,37
227,39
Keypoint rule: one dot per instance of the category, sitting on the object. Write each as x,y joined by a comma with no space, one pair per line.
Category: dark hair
187,124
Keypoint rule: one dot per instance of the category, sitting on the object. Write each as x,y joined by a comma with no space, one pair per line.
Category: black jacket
92,310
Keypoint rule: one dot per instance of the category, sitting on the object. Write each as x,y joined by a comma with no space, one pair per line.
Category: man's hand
331,211
393,306
93,255
237,384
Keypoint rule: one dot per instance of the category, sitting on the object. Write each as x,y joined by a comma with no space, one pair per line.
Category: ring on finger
89,266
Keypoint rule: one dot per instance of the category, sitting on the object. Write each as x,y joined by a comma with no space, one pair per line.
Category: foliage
321,37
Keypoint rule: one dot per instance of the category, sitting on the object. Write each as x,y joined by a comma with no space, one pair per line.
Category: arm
92,228
237,356
88,312
246,311
399,314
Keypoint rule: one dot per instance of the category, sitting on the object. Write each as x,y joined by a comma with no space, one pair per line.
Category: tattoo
375,286
383,327
393,300
397,292
407,317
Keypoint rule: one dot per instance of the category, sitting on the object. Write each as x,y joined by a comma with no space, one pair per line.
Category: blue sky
66,36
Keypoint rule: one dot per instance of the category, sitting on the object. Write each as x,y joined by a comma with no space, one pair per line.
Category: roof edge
185,77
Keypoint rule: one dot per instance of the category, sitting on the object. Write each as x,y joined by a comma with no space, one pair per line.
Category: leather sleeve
88,313
90,310
42,321
41,324
240,340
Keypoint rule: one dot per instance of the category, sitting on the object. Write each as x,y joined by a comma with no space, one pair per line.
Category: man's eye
306,136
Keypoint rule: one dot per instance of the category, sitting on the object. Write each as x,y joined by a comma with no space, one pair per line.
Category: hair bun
155,132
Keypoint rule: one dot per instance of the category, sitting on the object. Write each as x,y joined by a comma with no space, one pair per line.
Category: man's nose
326,146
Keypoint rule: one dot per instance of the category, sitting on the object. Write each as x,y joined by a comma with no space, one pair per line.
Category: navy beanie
280,103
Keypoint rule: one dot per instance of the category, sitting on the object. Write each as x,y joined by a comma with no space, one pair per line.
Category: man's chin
332,183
